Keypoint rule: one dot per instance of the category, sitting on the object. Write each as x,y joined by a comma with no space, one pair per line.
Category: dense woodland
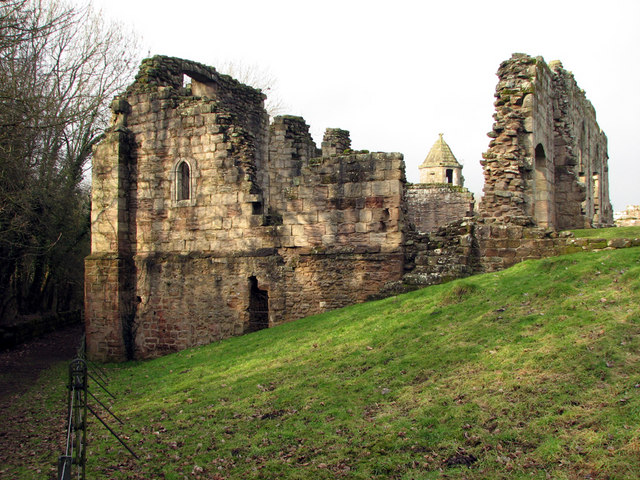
60,66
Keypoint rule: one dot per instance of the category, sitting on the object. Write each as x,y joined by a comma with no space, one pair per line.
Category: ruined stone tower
547,163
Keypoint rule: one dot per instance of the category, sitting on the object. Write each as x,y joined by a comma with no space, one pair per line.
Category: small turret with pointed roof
441,165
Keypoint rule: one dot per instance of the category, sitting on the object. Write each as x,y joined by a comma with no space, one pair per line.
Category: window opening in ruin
449,174
543,192
384,220
183,181
258,307
256,208
596,195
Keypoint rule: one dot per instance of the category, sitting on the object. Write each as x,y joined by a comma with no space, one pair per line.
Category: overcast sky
397,73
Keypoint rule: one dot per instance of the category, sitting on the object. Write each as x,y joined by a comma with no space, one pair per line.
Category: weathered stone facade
208,222
431,206
470,247
547,162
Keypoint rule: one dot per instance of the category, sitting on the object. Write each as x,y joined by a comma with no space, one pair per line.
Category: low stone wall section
467,247
629,217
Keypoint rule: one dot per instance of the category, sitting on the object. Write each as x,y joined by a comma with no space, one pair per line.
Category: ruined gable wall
221,134
532,169
222,138
311,232
431,206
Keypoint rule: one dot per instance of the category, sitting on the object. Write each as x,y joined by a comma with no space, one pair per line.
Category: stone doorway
258,307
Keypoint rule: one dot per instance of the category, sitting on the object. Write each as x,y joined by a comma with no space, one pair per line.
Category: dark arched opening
258,307
183,181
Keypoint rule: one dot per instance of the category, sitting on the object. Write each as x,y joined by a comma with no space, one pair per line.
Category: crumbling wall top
335,142
163,71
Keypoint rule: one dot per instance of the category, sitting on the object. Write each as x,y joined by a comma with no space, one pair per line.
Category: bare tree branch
60,66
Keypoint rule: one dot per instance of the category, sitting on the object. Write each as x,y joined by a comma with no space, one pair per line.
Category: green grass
532,372
608,233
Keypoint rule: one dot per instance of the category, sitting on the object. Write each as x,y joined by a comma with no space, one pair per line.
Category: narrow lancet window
183,181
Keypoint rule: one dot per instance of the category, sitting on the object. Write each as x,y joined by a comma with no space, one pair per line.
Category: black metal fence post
76,449
75,453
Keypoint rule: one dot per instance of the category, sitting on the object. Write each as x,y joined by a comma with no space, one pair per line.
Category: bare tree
60,66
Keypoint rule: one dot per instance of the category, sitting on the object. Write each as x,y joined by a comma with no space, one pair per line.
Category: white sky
397,73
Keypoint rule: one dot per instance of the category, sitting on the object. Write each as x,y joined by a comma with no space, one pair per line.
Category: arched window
183,182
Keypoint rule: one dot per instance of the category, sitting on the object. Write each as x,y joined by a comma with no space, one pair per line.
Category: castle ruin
209,222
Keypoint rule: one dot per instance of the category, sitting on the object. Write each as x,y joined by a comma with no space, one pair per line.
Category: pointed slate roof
440,155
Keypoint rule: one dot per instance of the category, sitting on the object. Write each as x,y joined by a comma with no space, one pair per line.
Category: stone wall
217,128
440,256
430,206
201,211
630,217
207,222
547,160
346,202
469,247
290,147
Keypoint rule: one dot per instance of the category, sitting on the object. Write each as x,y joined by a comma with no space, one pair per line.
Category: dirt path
26,441
21,365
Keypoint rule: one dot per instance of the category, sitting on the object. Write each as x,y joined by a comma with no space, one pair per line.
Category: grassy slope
608,233
527,373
